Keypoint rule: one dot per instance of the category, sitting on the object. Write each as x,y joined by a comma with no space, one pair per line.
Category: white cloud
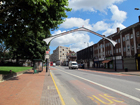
74,40
91,5
80,45
118,16
75,22
113,29
100,26
70,38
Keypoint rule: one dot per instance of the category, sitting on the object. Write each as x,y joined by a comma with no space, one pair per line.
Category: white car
73,65
54,64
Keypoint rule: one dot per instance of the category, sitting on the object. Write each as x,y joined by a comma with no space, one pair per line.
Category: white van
73,65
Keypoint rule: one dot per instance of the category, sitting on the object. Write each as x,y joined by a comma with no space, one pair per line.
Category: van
54,64
73,65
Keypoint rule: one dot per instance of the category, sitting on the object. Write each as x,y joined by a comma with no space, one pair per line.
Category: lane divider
62,101
127,95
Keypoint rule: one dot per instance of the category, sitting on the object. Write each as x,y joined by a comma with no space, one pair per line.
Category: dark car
81,66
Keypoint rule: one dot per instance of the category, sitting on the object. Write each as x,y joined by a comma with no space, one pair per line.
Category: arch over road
48,40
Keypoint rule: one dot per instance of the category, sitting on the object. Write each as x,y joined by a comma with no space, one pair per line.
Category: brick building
126,53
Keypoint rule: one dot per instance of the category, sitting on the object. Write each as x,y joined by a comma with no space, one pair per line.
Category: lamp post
137,9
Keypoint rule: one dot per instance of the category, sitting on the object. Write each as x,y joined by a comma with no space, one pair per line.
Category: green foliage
25,23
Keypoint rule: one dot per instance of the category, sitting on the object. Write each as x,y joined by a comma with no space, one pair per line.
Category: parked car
81,66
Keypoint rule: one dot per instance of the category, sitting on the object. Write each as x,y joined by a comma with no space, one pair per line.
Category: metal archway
48,40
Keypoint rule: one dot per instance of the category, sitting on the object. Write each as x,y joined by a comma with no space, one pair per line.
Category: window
124,49
63,49
118,40
137,34
138,46
128,48
110,52
123,38
132,47
131,36
127,37
119,49
116,50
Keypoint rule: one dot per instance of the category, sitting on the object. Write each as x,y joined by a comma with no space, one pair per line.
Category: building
72,56
85,56
126,53
59,55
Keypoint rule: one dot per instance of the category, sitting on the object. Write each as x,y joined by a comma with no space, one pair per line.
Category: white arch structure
48,40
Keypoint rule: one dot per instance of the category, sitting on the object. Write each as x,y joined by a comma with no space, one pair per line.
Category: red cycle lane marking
53,68
97,96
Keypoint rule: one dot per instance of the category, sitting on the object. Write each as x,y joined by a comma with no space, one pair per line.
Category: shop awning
106,61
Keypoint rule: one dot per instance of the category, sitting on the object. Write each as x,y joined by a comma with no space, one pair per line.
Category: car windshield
74,63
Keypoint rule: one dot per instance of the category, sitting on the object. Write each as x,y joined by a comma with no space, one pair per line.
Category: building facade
126,53
60,55
85,56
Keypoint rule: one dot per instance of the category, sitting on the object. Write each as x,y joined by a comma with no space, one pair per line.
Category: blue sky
101,16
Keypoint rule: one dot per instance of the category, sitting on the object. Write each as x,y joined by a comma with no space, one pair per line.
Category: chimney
139,19
118,29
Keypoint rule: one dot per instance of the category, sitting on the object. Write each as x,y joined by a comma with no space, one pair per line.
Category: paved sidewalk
29,89
129,72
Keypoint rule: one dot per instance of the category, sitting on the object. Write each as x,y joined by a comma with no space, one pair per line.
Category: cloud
80,45
113,28
118,16
100,26
74,40
70,38
91,5
75,22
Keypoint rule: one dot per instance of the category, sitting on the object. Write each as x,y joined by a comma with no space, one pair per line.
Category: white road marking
127,95
137,89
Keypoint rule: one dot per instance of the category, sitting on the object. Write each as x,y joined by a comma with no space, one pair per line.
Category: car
73,65
54,64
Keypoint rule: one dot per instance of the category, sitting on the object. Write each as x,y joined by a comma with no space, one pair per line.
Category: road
88,87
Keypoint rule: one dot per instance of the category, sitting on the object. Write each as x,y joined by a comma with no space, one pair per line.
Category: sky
100,16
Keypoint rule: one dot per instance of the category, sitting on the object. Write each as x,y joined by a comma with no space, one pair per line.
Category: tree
18,18
24,15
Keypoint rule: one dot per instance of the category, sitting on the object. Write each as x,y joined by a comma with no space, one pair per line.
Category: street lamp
137,9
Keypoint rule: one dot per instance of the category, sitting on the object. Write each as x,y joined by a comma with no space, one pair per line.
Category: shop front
130,63
138,61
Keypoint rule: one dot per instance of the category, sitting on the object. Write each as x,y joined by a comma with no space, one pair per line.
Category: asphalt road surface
88,87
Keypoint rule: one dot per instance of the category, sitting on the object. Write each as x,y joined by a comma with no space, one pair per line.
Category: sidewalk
129,72
29,89
37,89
